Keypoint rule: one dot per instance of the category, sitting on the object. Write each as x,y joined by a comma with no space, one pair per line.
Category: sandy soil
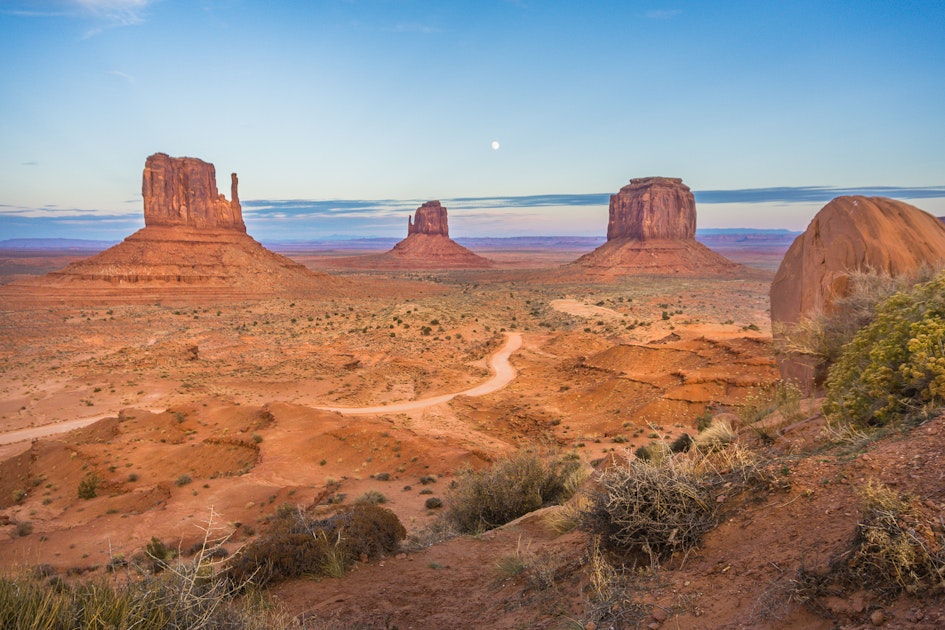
195,410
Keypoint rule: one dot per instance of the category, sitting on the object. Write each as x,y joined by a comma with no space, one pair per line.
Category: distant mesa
428,246
652,230
850,233
194,242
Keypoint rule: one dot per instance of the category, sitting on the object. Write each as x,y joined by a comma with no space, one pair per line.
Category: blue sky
393,102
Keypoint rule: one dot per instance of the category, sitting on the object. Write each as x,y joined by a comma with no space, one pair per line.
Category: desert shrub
432,503
681,444
717,436
185,597
183,480
656,508
821,337
158,554
895,366
510,488
373,497
297,545
899,546
88,487
896,547
24,528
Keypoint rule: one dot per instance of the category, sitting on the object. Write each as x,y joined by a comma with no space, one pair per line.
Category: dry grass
899,545
656,508
510,488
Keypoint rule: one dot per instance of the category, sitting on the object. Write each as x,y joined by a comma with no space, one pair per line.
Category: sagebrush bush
88,487
297,545
895,366
510,488
653,507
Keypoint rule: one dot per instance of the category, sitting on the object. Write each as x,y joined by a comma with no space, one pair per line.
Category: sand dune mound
652,230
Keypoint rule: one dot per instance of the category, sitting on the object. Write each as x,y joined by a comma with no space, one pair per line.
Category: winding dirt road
499,363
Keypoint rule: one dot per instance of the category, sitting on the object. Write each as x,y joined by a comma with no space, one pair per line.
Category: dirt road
499,363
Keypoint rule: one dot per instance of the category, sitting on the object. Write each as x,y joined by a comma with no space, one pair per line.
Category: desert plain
206,414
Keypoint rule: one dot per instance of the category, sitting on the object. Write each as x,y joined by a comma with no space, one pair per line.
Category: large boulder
183,192
849,234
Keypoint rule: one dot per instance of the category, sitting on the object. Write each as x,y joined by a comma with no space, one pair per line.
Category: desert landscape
186,399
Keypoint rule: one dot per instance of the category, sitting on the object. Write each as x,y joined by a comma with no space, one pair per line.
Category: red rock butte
652,230
851,233
428,246
194,243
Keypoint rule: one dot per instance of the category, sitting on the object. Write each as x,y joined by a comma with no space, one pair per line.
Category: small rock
401,556
878,618
590,625
659,614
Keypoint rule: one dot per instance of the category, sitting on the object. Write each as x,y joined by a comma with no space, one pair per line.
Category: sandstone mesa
194,242
651,230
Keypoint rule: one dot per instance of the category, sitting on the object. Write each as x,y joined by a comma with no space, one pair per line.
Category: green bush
895,366
511,487
296,545
88,487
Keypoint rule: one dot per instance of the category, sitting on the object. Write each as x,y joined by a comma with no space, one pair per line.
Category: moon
495,145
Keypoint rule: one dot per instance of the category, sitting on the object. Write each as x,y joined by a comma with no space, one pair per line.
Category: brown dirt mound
624,256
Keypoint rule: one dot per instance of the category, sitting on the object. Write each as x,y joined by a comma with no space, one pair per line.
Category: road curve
32,433
499,363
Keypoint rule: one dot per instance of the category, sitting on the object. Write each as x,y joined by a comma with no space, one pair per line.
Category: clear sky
401,101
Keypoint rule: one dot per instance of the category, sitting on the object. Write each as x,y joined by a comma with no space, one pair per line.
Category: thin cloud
117,12
121,75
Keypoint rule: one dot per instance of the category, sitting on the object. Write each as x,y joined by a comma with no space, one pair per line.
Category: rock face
653,208
430,218
652,230
194,243
183,192
850,233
